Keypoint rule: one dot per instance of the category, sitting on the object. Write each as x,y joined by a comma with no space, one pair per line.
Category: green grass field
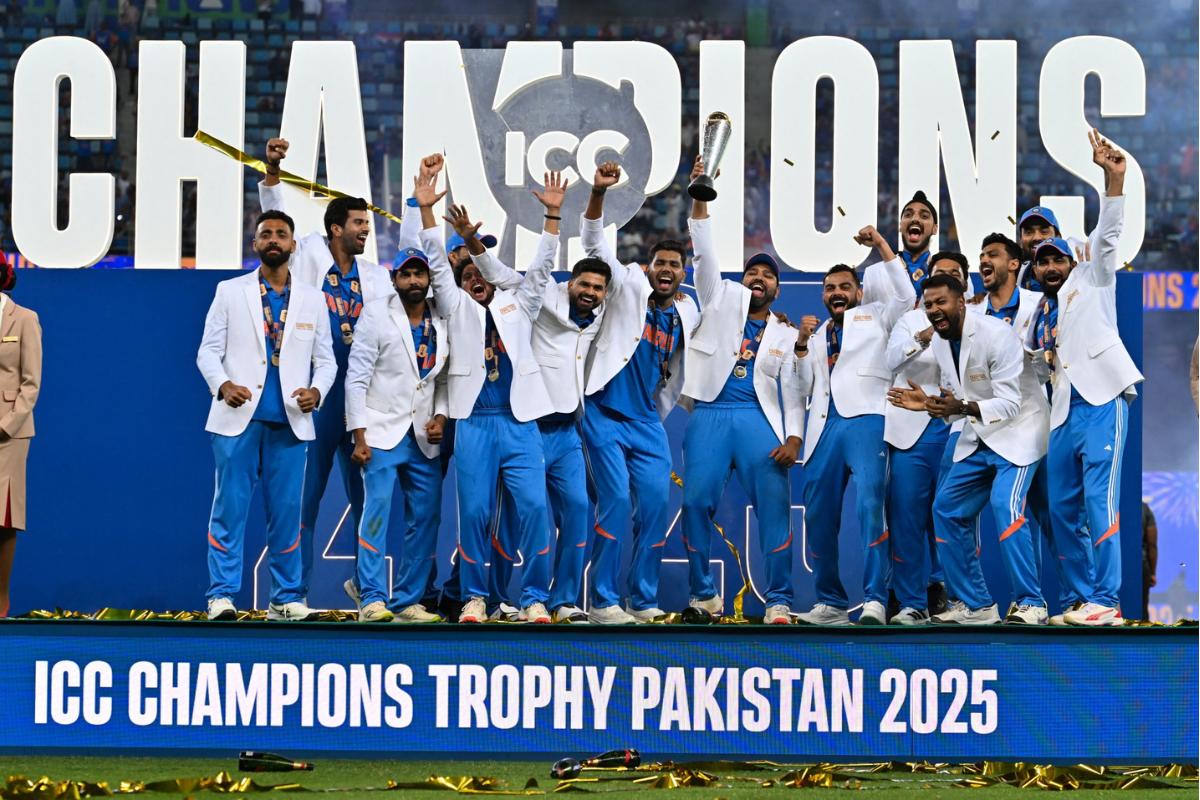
366,779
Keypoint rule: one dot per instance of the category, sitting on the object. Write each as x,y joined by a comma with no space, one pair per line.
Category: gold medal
488,354
739,371
275,359
494,375
347,333
747,355
1050,358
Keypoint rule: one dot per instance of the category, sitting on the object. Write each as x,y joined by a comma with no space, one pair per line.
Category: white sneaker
777,615
290,612
959,614
646,614
1094,615
712,605
535,613
571,614
610,615
505,613
873,613
822,614
1059,620
910,616
351,590
473,612
375,612
221,608
417,613
1026,615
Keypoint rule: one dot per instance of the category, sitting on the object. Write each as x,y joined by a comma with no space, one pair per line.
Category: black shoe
937,598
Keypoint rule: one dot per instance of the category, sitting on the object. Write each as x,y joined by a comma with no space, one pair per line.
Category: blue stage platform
513,691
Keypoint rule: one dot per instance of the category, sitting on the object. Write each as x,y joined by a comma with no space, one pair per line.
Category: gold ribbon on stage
739,598
258,165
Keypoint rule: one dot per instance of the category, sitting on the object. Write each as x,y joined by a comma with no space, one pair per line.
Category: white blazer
559,345
991,361
385,393
862,377
312,260
625,321
909,362
234,349
717,343
513,313
1090,354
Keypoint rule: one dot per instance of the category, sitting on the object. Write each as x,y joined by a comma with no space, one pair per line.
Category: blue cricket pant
722,439
972,483
492,447
630,465
1072,554
271,451
333,442
1084,477
566,486
420,480
913,479
848,447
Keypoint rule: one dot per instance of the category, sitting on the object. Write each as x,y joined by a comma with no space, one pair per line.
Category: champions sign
730,691
503,118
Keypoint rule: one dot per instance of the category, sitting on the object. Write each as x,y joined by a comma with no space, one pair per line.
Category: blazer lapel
402,324
253,296
964,353
10,318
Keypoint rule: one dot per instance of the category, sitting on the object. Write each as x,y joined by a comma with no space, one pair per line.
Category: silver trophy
717,130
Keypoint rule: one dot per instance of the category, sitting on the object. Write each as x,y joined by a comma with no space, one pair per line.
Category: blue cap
762,258
1042,213
455,241
1055,243
407,255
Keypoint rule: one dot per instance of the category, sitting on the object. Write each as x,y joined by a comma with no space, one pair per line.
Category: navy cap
407,255
1042,213
1060,245
455,241
762,258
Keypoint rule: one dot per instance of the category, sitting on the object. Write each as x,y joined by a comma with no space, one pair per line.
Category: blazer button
264,361
260,386
625,359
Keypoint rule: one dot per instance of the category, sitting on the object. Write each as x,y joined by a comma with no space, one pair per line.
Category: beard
273,257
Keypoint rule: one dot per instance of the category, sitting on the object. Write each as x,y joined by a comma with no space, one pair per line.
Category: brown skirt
13,454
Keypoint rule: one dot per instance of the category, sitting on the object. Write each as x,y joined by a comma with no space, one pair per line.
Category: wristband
411,202
275,172
552,216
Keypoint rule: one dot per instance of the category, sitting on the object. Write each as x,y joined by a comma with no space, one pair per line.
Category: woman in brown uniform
20,379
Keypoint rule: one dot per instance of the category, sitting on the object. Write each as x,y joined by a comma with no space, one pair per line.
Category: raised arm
591,226
706,270
1102,270
432,241
802,360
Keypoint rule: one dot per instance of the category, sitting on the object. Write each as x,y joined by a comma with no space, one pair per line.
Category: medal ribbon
832,346
495,346
1048,328
272,328
347,309
749,350
426,344
663,345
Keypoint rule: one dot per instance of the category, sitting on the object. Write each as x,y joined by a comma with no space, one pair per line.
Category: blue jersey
270,405
739,386
497,382
631,392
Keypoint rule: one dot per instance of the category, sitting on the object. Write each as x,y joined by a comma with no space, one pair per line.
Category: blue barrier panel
1044,695
121,471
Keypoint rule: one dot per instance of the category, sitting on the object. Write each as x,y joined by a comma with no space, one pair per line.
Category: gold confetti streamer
739,598
843,213
259,165
789,162
994,135
1013,221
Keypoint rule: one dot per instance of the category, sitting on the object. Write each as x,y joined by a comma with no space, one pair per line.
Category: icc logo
509,116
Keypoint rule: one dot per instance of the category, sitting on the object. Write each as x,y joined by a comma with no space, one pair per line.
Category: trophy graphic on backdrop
717,130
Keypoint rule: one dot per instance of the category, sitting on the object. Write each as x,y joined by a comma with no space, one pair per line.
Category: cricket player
268,362
739,366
